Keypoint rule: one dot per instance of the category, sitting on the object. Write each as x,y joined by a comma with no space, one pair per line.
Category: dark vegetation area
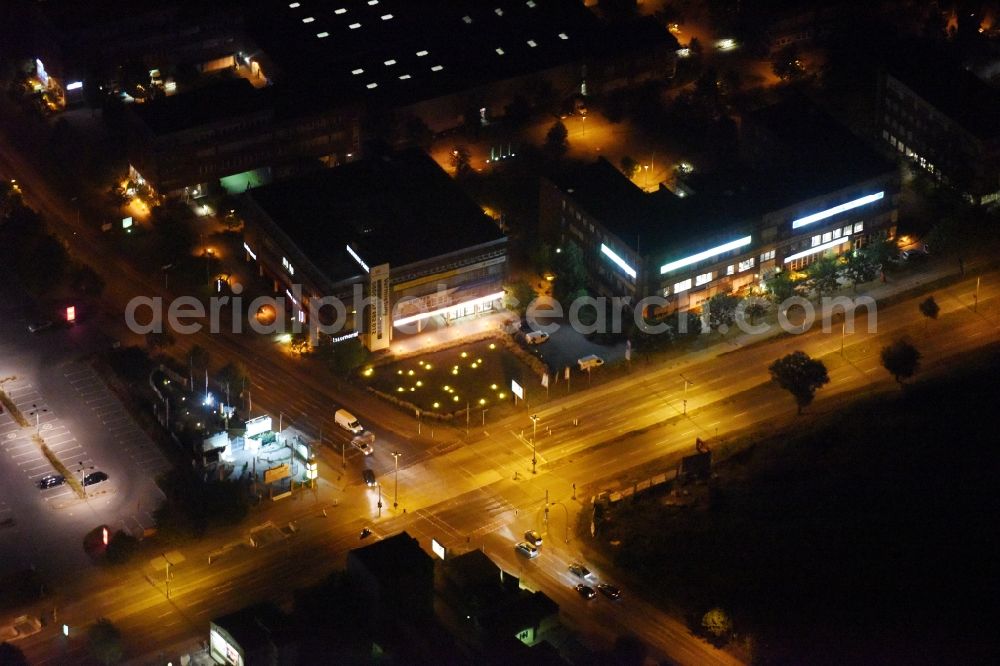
871,538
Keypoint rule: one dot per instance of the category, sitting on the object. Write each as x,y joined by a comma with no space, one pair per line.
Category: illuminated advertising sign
707,254
516,389
358,259
438,549
830,212
258,425
618,261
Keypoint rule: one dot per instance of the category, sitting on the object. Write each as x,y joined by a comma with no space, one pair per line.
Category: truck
348,422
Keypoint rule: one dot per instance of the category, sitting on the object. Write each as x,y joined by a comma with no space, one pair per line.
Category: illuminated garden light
493,345
436,405
465,354
493,386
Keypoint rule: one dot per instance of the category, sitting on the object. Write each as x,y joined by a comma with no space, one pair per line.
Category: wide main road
466,499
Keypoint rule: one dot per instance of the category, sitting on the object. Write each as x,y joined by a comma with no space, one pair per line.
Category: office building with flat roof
804,187
394,225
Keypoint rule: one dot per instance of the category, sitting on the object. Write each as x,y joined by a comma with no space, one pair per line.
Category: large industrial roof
399,209
404,51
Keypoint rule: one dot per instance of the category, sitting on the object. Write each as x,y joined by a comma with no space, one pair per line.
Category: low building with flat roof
394,227
395,577
804,187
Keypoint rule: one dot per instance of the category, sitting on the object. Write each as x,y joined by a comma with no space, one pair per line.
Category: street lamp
686,383
395,490
534,430
37,413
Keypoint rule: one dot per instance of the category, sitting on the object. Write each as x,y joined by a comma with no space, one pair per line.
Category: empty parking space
117,424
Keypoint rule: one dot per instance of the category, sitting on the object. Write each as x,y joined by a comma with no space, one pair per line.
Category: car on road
586,591
610,591
94,478
590,361
918,252
363,443
526,549
533,537
38,326
536,337
51,481
578,569
369,477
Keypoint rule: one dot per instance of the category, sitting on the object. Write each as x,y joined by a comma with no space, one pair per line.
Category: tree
787,66
11,655
629,167
800,375
105,641
348,356
930,309
571,273
823,275
901,359
555,139
460,161
722,311
235,374
518,296
86,281
717,624
518,112
781,287
754,309
121,547
859,268
157,341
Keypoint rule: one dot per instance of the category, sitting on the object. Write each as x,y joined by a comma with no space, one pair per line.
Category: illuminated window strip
618,261
249,251
467,304
695,258
830,212
819,248
358,259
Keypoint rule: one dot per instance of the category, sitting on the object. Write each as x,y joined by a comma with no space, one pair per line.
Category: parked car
533,537
369,477
578,569
526,549
51,481
586,591
591,361
536,337
94,478
918,252
37,326
610,591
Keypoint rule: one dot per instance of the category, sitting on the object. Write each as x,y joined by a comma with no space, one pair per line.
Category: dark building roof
796,152
400,208
393,557
951,89
204,105
252,627
402,51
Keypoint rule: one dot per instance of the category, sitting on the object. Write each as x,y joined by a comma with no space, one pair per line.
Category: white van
591,361
347,421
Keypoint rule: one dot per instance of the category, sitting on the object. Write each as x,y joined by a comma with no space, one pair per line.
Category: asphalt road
480,492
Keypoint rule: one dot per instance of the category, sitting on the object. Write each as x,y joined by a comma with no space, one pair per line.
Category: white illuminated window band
466,304
830,212
249,251
819,248
701,256
358,259
618,261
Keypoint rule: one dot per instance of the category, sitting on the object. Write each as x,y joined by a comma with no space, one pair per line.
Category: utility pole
545,519
380,500
686,382
395,491
534,430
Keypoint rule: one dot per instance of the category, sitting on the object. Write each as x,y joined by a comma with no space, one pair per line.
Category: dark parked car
610,591
586,591
51,481
37,326
94,478
369,477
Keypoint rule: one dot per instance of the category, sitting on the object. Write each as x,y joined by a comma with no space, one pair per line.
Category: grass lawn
477,374
867,536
